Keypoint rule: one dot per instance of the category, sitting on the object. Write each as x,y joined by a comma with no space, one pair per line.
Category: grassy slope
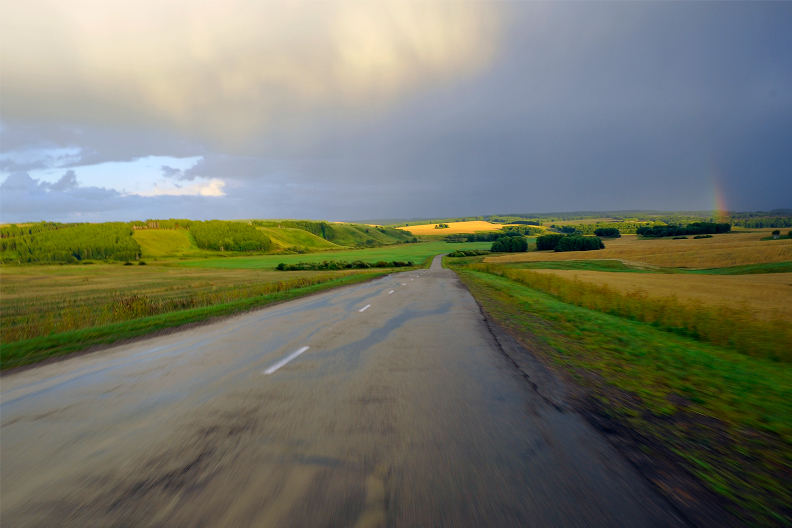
355,235
718,414
159,243
28,351
285,237
415,252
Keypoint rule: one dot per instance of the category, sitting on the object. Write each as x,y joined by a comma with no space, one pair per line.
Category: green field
716,413
418,253
286,237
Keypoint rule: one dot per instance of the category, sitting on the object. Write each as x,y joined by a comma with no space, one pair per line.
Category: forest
229,236
71,243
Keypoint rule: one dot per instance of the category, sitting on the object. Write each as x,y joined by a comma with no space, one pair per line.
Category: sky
347,110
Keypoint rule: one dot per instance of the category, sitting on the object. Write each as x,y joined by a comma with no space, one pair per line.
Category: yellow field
731,249
768,296
453,228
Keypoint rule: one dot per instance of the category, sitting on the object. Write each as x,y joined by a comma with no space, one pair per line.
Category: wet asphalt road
406,413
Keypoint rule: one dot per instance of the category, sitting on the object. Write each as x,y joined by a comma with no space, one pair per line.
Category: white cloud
213,187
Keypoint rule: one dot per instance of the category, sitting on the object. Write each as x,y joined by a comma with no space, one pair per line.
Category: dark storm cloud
584,106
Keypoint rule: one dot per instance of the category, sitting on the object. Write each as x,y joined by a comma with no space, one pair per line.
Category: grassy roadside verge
711,427
25,352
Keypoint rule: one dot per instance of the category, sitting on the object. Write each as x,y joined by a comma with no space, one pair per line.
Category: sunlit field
768,295
731,249
453,228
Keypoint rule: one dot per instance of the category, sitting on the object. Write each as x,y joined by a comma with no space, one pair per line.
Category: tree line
510,244
756,223
696,228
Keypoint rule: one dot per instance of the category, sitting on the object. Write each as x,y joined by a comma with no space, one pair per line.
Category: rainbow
719,208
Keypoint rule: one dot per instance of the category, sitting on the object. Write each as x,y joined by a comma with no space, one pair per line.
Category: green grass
749,269
639,376
418,253
18,353
285,237
162,243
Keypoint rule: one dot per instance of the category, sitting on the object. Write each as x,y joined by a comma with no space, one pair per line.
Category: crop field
418,253
41,301
453,228
768,296
730,249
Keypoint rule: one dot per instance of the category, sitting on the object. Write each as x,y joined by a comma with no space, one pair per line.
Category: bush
608,232
701,236
696,228
579,243
548,242
510,244
679,238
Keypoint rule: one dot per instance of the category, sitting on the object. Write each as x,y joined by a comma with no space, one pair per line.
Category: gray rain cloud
441,110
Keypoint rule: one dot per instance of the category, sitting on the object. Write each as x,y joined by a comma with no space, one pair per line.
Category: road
389,403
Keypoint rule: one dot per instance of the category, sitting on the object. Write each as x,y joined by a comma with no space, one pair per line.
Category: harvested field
453,228
731,249
768,296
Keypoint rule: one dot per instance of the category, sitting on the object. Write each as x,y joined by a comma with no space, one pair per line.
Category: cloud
67,181
226,70
213,187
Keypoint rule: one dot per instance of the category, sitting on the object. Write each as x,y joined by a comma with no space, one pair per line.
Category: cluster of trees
112,240
609,232
764,222
696,228
568,243
341,265
579,243
510,244
229,236
441,226
469,253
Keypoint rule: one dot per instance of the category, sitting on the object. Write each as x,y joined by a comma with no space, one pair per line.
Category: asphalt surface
405,413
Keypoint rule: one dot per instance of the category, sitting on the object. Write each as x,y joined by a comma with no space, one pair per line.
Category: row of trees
111,240
13,230
491,236
696,228
510,244
591,229
341,265
756,223
229,236
568,243
469,253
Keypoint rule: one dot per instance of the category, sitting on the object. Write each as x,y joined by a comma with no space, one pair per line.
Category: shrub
700,236
341,265
679,238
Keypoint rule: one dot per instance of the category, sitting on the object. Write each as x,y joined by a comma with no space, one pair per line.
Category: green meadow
418,253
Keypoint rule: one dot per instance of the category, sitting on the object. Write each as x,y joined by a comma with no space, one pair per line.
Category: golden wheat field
720,251
768,296
453,228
